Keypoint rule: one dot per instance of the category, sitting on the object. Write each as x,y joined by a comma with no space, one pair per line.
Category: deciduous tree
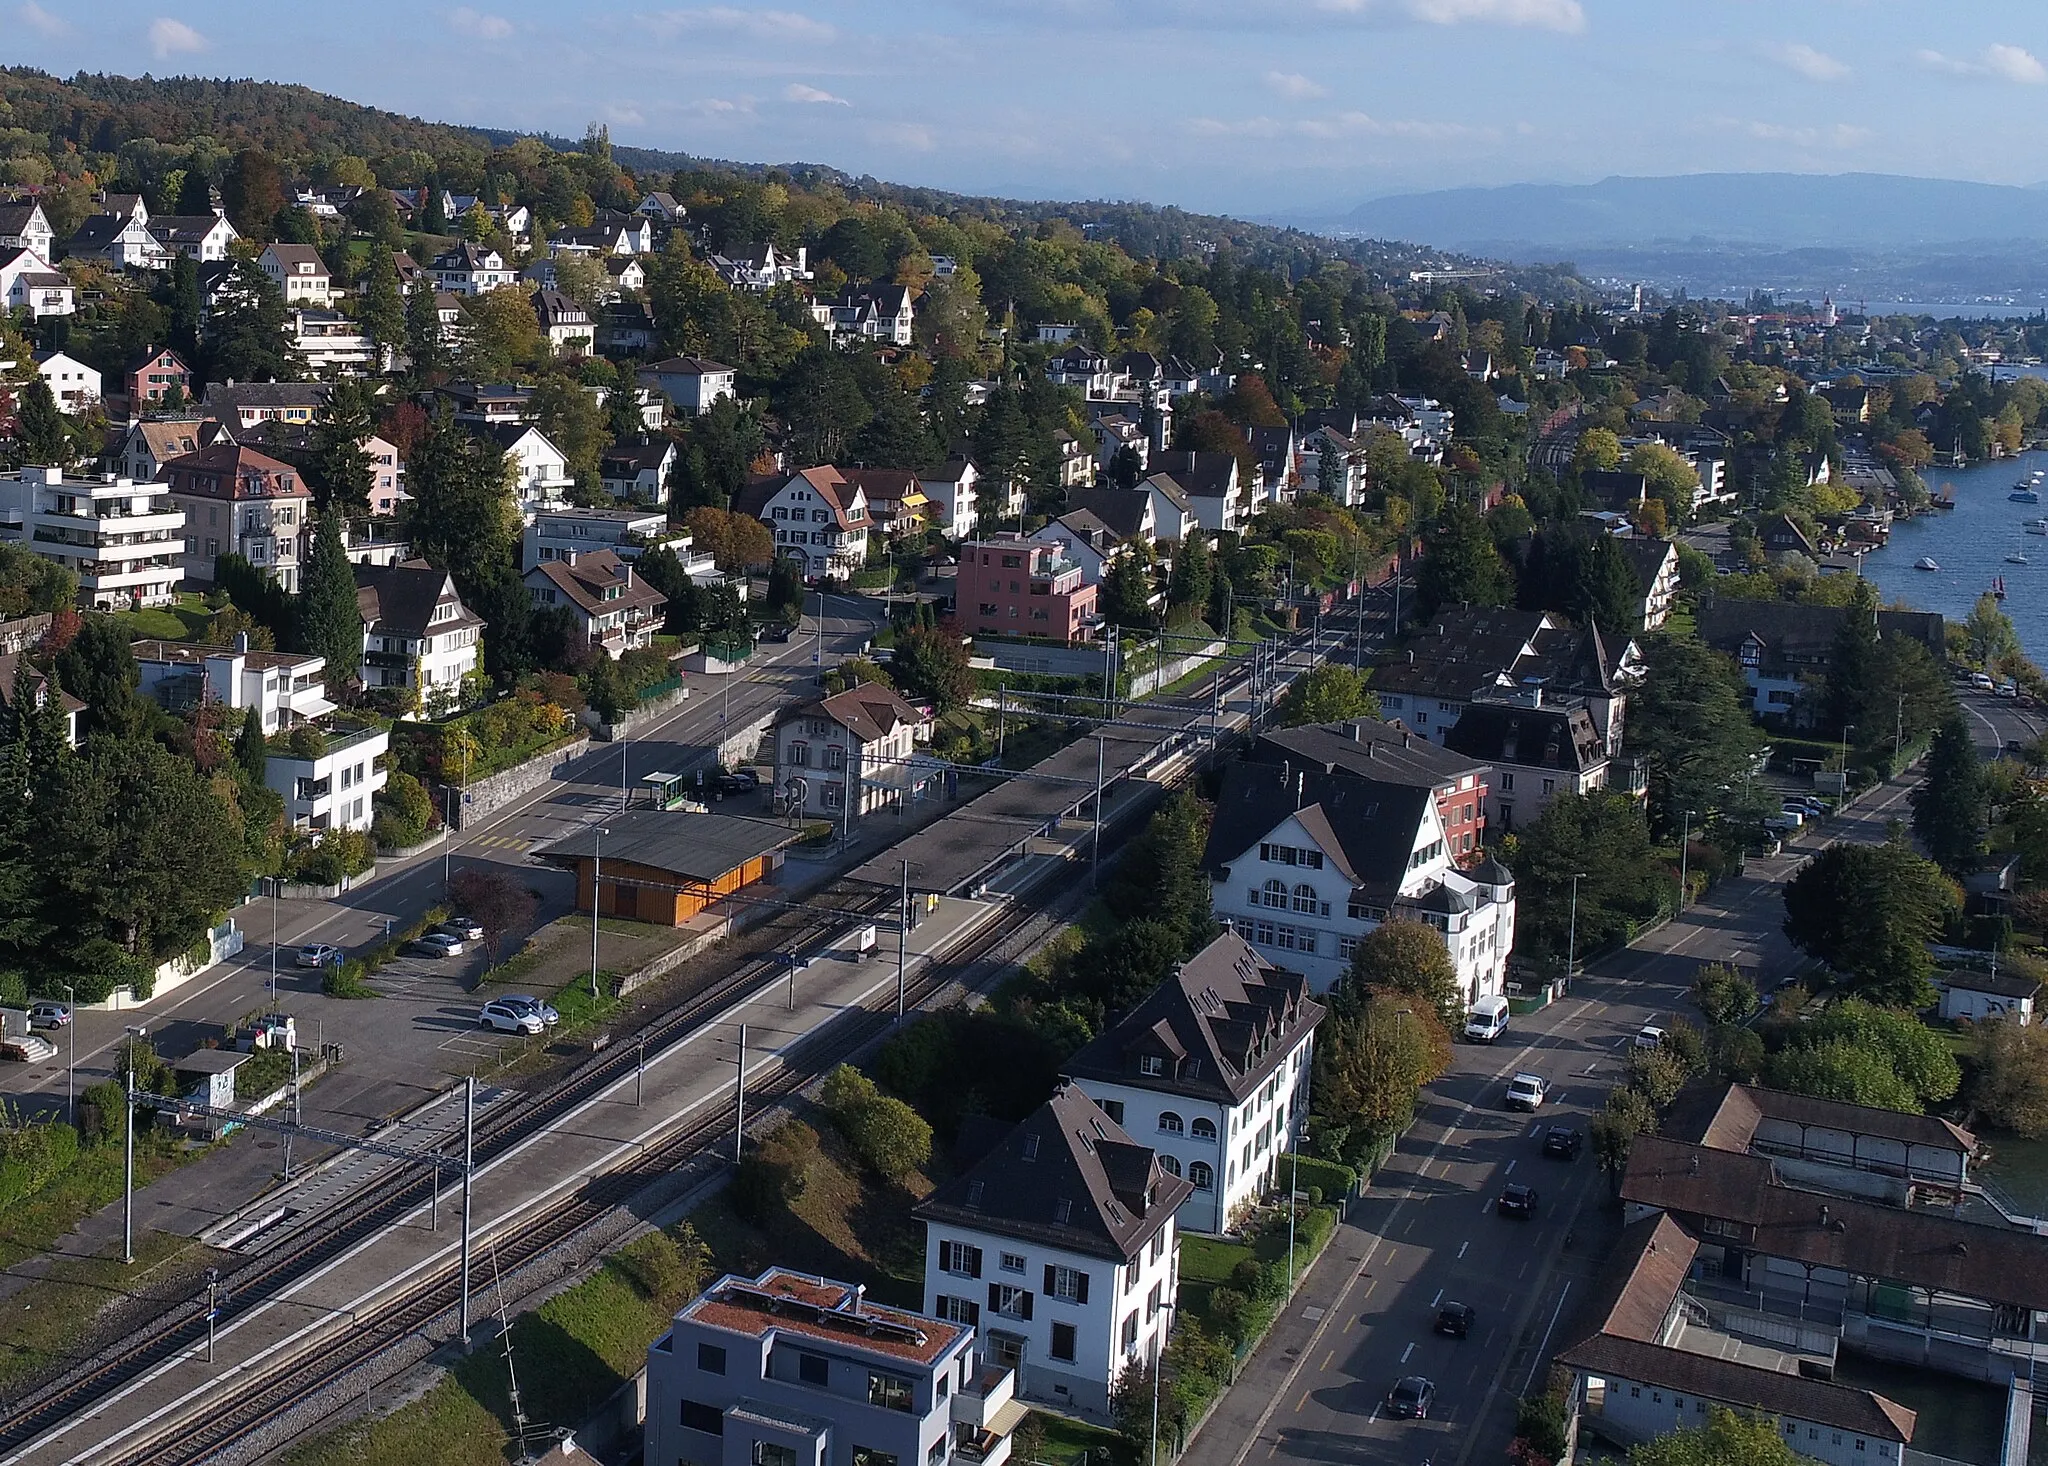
1410,958
1869,911
1326,694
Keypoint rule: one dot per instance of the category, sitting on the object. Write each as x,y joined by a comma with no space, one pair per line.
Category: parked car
775,631
510,1018
2008,688
739,781
49,1015
436,944
318,954
1649,1036
1563,1142
529,1004
1454,1320
1782,824
1517,1201
1527,1091
1409,1398
1816,808
1793,814
462,928
27,1048
1980,681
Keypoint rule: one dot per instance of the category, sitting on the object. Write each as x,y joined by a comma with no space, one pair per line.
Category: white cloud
625,114
1809,63
465,21
41,21
1337,125
1294,86
168,37
796,91
755,25
1836,136
1999,62
1549,15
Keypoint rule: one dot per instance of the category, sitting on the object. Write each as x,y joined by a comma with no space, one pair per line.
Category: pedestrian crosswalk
501,842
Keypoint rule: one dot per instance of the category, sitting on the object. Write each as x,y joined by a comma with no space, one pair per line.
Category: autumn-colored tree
735,541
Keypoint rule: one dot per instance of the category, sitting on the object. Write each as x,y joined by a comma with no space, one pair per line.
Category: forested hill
130,131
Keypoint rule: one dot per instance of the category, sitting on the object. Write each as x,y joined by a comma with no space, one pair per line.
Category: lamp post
135,1034
1158,1364
71,1072
1571,951
1684,849
1847,729
275,882
596,906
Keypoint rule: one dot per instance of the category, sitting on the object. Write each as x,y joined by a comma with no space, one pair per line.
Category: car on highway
1649,1036
507,1017
1454,1320
1527,1092
1981,682
1517,1201
318,954
1409,1398
1563,1143
2008,688
526,1003
462,928
27,1048
436,944
49,1015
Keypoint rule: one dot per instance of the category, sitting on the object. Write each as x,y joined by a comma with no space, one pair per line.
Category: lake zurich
1970,543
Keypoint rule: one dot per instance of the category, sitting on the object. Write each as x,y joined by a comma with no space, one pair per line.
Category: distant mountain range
1781,210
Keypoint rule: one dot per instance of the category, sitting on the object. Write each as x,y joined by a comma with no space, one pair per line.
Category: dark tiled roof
232,471
1614,490
1368,748
1805,633
696,847
1366,828
1224,1021
182,228
2007,984
592,576
1548,738
1122,510
1646,557
1066,1177
399,600
228,396
869,710
1731,1122
1202,475
629,458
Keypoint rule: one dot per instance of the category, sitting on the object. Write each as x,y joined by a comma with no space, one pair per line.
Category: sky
1301,108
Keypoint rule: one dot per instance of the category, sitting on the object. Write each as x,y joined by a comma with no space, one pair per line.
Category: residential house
849,754
1209,482
885,313
1085,540
611,607
12,665
626,273
1467,655
1335,466
152,375
1061,1243
817,517
1985,997
1008,585
238,501
1306,862
626,328
1077,461
760,268
285,688
203,238
662,208
292,442
540,471
328,341
24,225
613,234
1086,368
75,385
334,788
1785,651
1389,754
471,269
790,1369
244,404
124,539
489,403
1275,450
416,631
299,273
1132,515
690,382
375,542
1655,563
566,325
1114,434
639,471
120,240
1614,490
950,488
150,444
627,533
29,282
1537,753
1212,1070
896,501
1780,536
1173,510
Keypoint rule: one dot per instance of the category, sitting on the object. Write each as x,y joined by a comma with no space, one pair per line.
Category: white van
1487,1020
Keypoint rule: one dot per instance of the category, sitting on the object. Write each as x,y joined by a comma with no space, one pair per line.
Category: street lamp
136,1033
1159,1364
596,870
71,1073
1847,729
275,882
1571,957
1684,849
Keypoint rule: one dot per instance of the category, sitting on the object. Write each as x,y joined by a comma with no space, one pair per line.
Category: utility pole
135,1035
640,1076
1095,856
71,1073
596,906
902,936
295,1111
275,881
739,1123
468,1170
1571,958
212,1308
1684,849
1002,716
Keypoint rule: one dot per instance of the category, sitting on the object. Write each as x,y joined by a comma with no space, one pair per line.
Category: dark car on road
1409,1398
1454,1319
1563,1142
1517,1201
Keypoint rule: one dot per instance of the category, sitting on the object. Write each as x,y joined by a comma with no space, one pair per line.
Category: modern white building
126,540
1212,1071
691,383
628,533
285,688
789,1369
855,746
949,488
540,471
1307,861
333,790
1060,1246
31,283
817,517
638,472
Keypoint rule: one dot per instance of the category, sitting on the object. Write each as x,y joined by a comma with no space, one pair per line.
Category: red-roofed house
239,502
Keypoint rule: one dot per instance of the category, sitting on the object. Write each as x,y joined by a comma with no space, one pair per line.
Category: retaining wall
486,797
639,717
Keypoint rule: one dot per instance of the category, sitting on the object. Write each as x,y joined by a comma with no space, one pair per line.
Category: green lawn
186,620
1064,1442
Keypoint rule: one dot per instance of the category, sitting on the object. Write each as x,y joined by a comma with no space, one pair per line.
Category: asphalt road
1427,1230
377,1033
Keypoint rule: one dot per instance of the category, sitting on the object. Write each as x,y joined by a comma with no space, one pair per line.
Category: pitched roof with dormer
1068,1177
229,471
868,710
1529,737
1367,829
834,490
598,583
399,600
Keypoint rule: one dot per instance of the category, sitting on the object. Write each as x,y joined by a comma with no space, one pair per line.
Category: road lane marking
1510,1170
1438,1299
1407,1351
1462,1246
1329,1359
1301,1404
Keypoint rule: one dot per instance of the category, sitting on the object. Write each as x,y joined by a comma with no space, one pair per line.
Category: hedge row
350,980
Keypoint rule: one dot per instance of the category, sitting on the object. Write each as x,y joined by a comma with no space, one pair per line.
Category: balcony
978,1403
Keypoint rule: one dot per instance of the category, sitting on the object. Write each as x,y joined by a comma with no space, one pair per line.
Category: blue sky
1244,106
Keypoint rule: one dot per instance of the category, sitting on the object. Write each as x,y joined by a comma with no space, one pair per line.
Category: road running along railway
984,836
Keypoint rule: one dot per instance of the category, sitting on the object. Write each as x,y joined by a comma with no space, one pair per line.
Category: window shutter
1082,1296
942,1254
1051,1275
974,1262
995,1297
1025,1299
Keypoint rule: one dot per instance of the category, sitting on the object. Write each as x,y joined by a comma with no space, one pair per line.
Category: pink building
1012,586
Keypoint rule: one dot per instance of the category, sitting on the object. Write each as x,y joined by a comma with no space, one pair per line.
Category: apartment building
124,539
1012,586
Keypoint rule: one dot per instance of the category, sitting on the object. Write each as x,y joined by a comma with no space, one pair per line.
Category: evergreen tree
195,193
1193,575
181,306
1852,665
623,423
462,514
22,929
1126,597
423,344
1460,566
100,670
340,473
251,752
1949,806
689,484
39,427
382,311
245,336
329,624
433,217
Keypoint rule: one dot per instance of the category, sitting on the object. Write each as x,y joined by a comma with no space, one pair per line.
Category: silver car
508,1017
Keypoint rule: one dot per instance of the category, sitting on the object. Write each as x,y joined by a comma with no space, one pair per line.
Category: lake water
1970,543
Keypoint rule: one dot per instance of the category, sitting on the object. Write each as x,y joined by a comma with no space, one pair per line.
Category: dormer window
974,1193
1031,1147
1152,1066
1063,1210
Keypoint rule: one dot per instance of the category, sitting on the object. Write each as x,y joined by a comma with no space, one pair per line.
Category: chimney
1355,731
241,642
1300,789
859,1296
626,569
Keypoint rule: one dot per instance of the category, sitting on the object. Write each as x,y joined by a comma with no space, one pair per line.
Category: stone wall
485,797
639,717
